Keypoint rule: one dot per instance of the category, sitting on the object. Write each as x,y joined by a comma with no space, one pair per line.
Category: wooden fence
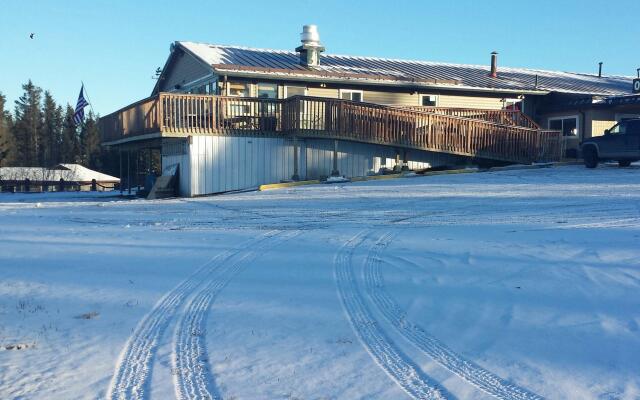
475,133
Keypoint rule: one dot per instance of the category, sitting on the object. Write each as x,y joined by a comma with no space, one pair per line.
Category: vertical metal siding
221,163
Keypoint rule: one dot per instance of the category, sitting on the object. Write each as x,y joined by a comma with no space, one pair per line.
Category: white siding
489,103
223,163
215,164
323,92
392,98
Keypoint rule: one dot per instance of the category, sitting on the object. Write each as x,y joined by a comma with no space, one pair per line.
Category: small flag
78,116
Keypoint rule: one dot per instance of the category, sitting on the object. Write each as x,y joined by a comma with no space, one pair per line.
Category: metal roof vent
311,47
494,64
600,69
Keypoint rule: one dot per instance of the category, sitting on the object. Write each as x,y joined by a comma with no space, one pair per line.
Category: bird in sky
32,35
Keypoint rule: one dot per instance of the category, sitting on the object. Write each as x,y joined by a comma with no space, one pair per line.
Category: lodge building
234,117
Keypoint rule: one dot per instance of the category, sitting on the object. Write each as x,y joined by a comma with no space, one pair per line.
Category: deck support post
397,167
120,163
296,149
129,171
136,173
149,163
335,171
405,161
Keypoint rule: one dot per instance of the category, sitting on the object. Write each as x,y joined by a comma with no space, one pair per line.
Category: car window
619,129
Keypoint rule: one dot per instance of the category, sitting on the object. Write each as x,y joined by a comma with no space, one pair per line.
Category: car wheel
590,157
624,163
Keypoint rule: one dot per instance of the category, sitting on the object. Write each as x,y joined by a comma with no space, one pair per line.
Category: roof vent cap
310,34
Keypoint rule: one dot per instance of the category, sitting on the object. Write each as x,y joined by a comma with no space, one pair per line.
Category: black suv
621,143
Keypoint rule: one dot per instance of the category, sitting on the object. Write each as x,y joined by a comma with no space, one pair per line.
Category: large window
268,108
353,95
428,100
238,89
290,91
568,125
267,90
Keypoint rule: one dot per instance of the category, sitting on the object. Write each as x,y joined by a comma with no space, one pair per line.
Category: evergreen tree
7,143
90,142
70,149
51,139
28,125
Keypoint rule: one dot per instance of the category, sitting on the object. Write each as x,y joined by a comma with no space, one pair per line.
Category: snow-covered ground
510,285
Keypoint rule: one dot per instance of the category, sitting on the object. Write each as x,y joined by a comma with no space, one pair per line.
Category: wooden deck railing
136,119
430,129
507,117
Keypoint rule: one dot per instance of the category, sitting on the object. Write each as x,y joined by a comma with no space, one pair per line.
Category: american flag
78,116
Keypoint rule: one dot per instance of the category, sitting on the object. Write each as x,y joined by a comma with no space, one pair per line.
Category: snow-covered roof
68,172
285,64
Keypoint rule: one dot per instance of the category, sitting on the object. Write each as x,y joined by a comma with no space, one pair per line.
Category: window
267,90
568,125
290,91
268,108
428,100
353,95
622,127
199,90
238,89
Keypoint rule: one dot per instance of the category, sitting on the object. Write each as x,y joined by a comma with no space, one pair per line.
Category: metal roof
284,64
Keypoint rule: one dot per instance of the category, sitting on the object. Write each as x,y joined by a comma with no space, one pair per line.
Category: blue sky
115,46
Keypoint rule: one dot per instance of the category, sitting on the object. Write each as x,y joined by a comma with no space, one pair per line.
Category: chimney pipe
311,47
600,69
494,64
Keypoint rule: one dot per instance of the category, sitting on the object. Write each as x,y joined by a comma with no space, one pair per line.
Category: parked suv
621,143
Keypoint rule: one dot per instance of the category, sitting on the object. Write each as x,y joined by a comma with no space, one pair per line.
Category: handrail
508,117
476,133
138,118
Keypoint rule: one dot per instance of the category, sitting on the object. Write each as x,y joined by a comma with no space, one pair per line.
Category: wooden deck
499,135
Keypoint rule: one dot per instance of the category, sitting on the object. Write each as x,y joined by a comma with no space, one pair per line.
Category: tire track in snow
193,379
400,368
416,335
133,371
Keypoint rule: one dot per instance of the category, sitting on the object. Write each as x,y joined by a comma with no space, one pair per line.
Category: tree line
42,133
